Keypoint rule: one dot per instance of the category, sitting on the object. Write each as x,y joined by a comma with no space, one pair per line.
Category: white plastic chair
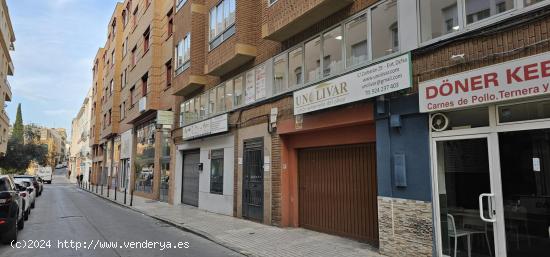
453,232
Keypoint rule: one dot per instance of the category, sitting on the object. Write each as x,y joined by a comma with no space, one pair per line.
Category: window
356,41
313,61
384,29
220,98
332,50
146,41
134,61
238,94
295,68
113,58
212,103
170,24
271,2
222,22
134,18
476,11
104,120
110,117
182,54
180,3
111,87
125,47
123,110
132,91
279,74
124,77
216,171
229,95
437,18
168,73
124,18
144,84
203,112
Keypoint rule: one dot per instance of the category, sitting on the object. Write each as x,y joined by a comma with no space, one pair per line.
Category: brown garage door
337,190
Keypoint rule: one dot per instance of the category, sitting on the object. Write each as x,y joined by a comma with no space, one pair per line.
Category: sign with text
126,145
207,127
377,79
165,117
525,77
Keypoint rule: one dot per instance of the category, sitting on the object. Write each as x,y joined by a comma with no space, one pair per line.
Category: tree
18,128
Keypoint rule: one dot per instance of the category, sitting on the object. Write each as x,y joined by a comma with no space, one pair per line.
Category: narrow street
64,212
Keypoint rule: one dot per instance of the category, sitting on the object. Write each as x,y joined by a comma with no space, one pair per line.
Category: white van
45,173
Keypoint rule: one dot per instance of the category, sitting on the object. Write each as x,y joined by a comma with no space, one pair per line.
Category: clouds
56,43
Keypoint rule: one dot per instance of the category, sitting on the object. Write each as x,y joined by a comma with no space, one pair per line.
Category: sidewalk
247,237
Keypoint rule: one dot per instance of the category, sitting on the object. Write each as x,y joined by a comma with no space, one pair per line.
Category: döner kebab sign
525,77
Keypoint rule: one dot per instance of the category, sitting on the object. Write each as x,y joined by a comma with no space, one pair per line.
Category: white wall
222,204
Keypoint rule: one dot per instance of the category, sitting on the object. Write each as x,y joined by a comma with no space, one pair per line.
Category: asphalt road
64,213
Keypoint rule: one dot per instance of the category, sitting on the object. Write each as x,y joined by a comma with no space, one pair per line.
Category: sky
56,42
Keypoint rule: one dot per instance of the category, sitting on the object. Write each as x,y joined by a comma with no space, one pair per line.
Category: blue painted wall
412,139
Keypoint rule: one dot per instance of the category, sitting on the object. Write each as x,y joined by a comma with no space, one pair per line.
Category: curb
183,227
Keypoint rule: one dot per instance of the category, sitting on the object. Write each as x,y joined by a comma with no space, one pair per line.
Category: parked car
41,185
24,192
46,174
30,189
30,178
59,166
11,210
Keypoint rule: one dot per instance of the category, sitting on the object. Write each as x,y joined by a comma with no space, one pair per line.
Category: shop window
145,158
480,10
238,94
229,95
216,171
332,51
384,30
438,17
312,59
165,166
295,68
536,110
279,74
356,41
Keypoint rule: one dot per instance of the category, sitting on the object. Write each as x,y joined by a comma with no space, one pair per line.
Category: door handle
491,213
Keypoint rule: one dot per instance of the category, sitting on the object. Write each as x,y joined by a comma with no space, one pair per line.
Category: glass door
525,173
466,196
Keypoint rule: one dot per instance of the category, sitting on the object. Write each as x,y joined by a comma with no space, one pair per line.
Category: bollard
125,194
131,197
101,188
96,188
115,193
108,189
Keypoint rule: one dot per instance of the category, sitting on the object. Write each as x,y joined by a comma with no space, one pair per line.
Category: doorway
253,180
190,178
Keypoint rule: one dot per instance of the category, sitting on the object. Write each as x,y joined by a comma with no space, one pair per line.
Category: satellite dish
439,122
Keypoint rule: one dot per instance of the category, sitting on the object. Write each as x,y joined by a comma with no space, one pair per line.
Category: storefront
329,178
204,166
125,160
490,152
144,163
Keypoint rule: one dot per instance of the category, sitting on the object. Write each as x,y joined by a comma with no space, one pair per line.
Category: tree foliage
23,147
18,128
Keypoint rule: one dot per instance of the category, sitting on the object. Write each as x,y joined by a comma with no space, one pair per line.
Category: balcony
7,96
286,18
228,56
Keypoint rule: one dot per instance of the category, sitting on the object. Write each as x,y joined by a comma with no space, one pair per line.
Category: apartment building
133,102
80,158
6,69
95,122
